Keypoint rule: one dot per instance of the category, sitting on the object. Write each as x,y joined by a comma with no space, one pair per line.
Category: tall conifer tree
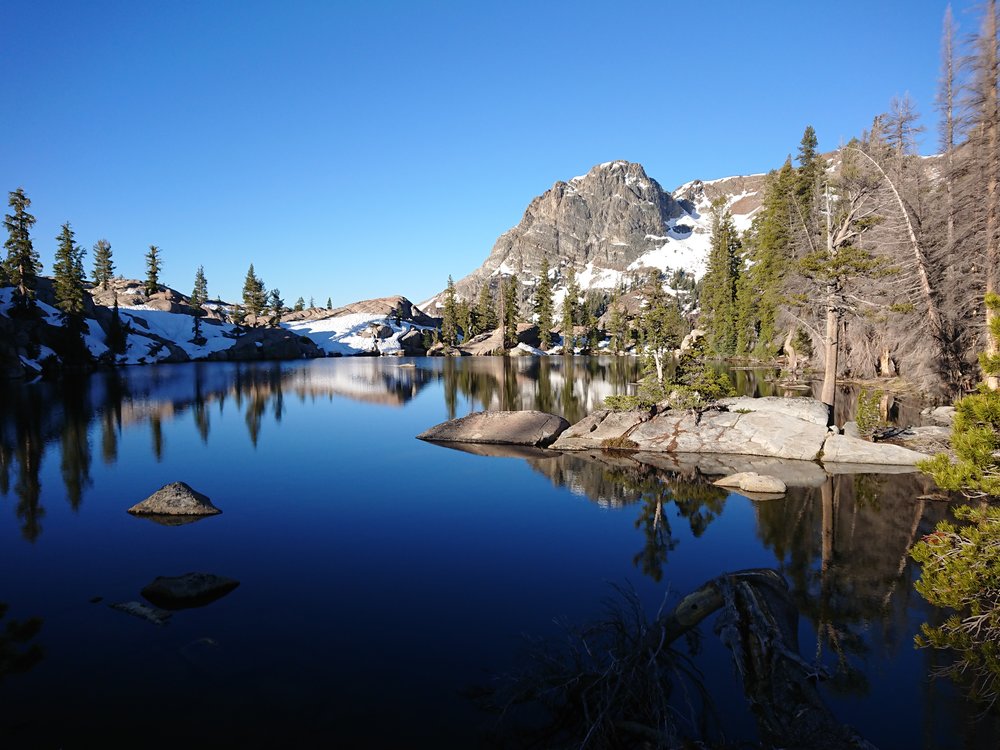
199,295
543,305
104,267
449,321
570,312
69,277
153,267
486,319
23,265
254,293
718,292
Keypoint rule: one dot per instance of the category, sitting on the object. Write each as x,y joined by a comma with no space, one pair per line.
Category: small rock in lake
188,590
751,481
175,499
154,615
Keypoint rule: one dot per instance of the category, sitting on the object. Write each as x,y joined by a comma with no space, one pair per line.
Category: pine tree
485,317
618,326
329,303
254,294
569,312
300,305
449,321
543,305
511,313
23,265
199,295
104,267
277,306
718,291
69,278
312,303
117,336
808,176
153,266
463,315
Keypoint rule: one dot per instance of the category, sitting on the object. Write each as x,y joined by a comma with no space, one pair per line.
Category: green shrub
869,415
623,402
620,443
961,572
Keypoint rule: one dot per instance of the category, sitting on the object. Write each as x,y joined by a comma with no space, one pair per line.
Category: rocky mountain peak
606,218
610,225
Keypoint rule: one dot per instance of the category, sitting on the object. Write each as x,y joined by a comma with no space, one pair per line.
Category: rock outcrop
501,427
269,344
492,342
608,217
779,428
175,499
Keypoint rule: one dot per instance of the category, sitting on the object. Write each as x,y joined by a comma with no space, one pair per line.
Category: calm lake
381,577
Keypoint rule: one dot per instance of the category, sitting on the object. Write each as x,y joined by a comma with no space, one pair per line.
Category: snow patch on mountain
353,333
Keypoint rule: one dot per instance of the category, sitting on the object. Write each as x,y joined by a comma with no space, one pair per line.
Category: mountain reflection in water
335,519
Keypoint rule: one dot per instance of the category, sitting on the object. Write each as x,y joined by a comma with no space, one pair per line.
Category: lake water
381,576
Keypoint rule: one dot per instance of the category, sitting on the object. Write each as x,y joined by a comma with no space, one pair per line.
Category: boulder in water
175,499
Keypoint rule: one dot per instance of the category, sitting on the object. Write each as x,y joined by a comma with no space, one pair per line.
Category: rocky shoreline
786,439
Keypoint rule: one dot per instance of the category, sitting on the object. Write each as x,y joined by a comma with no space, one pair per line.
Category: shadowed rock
188,590
175,499
499,427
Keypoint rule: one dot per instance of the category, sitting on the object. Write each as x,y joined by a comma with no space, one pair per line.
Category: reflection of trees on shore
74,440
17,652
617,479
569,386
63,412
844,548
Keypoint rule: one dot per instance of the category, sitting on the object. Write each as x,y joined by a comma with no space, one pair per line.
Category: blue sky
360,149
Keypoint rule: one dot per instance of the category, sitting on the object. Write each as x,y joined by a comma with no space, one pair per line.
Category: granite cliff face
609,224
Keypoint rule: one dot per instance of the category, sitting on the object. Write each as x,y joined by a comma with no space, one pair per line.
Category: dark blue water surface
381,576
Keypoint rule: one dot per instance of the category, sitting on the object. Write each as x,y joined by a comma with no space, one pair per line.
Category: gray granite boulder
788,428
756,433
851,450
500,427
940,415
175,499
